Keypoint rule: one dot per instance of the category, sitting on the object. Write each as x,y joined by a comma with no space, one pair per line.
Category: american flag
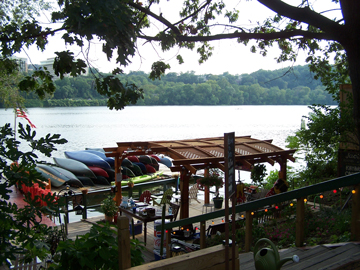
21,113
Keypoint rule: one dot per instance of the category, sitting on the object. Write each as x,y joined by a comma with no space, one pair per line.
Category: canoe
100,180
99,171
76,167
67,173
150,169
141,166
95,149
134,168
109,160
127,171
87,158
133,158
55,180
156,157
166,161
145,159
126,162
67,176
111,173
86,180
140,179
154,163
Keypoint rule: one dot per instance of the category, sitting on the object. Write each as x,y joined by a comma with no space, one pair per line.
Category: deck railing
102,194
299,195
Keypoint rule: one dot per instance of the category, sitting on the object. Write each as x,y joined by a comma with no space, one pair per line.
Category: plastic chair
165,199
145,196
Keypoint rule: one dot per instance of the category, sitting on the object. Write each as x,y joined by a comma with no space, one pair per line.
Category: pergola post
117,181
300,222
184,202
355,217
207,191
282,172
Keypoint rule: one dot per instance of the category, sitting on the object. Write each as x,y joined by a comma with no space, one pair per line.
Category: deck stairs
344,256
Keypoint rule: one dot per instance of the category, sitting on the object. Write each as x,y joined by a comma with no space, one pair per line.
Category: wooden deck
343,256
18,198
82,227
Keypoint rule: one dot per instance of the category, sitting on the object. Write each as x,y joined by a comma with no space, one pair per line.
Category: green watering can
269,259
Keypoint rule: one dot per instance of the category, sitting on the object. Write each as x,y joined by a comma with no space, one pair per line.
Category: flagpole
15,114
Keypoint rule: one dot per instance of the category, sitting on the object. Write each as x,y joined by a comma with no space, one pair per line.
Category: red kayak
99,171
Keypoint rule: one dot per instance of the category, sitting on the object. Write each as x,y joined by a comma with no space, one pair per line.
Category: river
98,127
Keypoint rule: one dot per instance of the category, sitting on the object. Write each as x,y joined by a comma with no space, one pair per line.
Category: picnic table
143,218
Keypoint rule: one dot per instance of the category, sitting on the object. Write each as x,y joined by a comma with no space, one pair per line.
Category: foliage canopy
119,25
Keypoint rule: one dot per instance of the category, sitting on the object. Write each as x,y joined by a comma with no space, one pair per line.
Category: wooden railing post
300,222
202,234
84,213
355,217
168,243
248,230
124,243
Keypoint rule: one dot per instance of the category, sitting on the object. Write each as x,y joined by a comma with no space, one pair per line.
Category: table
144,219
206,205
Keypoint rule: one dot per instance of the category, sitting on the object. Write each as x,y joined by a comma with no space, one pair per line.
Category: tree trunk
351,43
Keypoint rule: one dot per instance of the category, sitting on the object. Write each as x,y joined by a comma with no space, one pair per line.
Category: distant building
22,62
48,63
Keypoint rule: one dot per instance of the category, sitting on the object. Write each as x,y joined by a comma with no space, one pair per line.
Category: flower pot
218,202
109,218
130,185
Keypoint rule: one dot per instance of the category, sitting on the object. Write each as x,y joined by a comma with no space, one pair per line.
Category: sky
228,55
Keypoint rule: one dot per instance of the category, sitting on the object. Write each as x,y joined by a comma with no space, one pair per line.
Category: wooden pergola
203,153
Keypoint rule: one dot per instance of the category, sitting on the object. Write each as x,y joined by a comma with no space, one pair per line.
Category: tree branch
246,36
40,34
305,15
159,18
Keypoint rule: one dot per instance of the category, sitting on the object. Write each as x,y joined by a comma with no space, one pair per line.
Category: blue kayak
165,160
88,158
109,160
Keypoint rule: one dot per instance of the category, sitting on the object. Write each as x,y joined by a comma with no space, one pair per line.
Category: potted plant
84,190
213,179
109,208
130,183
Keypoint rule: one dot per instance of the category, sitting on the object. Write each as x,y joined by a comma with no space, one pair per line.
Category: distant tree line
296,86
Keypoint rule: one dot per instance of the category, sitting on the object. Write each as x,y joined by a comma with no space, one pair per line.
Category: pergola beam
191,155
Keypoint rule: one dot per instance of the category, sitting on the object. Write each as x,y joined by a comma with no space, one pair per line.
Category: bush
97,249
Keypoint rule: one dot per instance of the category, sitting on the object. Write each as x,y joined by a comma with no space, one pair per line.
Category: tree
318,142
9,92
119,24
115,24
293,28
21,230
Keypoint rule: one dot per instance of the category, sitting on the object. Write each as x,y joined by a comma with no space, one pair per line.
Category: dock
83,226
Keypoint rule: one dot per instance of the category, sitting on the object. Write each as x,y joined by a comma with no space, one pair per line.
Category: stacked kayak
58,176
92,167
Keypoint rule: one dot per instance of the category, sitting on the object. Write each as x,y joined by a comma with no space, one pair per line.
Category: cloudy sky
228,55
